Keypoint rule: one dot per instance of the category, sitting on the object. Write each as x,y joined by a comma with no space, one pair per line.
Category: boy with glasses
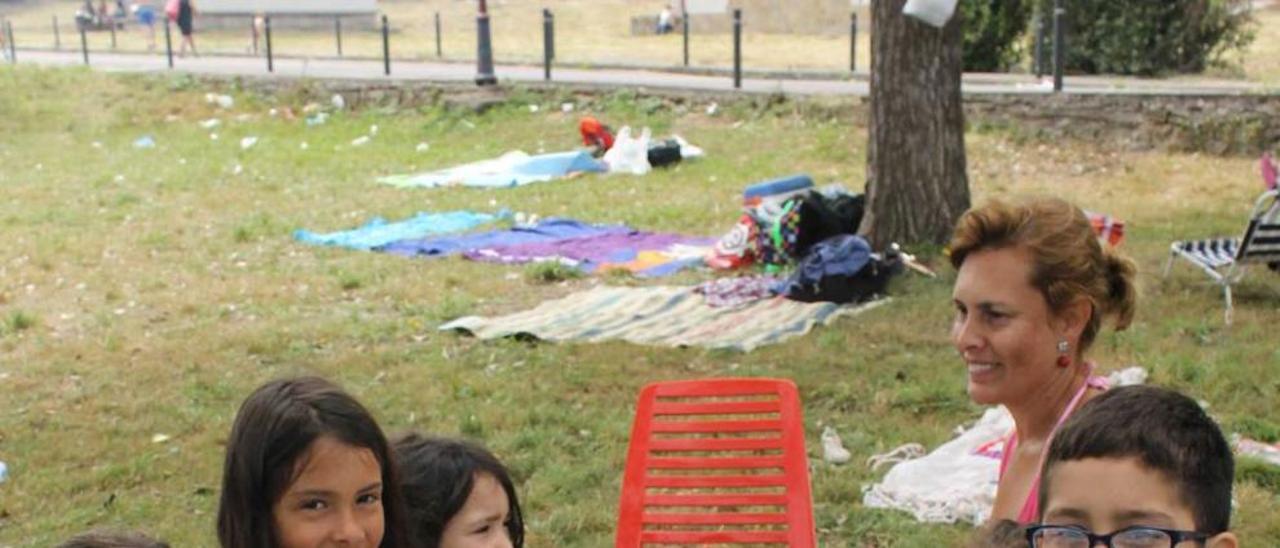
1137,467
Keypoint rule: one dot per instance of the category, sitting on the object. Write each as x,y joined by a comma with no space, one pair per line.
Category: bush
992,32
1151,38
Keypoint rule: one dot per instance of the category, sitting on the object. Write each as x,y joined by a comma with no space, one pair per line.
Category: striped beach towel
661,316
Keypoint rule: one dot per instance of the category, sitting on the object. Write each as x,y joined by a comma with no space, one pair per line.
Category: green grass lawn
146,292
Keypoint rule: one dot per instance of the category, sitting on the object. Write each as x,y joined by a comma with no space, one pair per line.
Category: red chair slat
726,518
716,408
716,444
715,500
711,427
723,537
689,482
705,463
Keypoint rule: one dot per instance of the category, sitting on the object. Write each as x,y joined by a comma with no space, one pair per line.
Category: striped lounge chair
1225,259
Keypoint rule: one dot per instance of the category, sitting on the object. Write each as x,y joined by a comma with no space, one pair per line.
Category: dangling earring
1064,360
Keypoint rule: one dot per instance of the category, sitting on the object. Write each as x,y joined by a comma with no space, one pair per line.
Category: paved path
372,70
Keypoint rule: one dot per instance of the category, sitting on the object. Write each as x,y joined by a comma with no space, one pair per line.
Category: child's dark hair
112,539
1166,431
437,475
273,430
1004,533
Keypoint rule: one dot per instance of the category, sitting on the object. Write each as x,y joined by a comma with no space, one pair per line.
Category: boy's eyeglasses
1063,536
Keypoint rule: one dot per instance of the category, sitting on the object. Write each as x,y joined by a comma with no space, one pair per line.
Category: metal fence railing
548,38
520,35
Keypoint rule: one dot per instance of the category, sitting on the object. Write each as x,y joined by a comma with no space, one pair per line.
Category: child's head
1005,533
1139,456
457,495
111,539
307,465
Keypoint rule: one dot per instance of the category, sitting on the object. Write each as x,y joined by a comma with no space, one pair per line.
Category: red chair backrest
717,461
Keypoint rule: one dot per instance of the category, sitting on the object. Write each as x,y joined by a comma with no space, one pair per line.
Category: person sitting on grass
458,495
308,466
1139,466
111,539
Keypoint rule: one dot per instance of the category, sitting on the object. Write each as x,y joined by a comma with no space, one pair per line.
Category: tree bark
917,185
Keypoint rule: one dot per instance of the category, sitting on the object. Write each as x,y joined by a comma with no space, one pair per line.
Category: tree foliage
993,32
1151,37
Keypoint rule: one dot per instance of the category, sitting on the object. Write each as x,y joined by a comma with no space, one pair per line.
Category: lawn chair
1225,259
717,461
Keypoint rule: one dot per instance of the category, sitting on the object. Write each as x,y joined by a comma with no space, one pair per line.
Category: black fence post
57,38
439,46
266,29
484,48
1037,61
13,49
84,45
684,23
853,43
737,48
386,47
168,42
337,33
1059,45
548,42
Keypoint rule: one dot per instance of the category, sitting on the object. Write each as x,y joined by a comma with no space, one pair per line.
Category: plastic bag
629,154
933,12
952,483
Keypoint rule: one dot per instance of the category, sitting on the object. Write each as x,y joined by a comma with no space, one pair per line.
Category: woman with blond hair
1032,290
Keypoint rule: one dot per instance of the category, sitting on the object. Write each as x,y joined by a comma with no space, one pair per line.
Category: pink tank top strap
1031,507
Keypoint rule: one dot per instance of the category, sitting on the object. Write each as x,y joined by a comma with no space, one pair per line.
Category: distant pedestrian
255,31
183,13
146,17
664,20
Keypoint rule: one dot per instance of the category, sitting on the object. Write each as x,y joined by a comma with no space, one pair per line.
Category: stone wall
1241,125
1219,125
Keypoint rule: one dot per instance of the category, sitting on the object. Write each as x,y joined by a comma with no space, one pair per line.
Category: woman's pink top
1031,508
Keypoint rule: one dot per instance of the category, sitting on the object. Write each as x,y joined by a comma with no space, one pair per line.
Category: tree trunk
917,186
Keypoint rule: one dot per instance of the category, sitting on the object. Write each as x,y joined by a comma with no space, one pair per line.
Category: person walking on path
183,13
146,16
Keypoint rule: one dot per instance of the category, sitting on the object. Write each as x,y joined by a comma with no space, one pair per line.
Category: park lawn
145,292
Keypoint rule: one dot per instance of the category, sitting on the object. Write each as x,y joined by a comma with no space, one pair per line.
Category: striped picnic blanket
661,315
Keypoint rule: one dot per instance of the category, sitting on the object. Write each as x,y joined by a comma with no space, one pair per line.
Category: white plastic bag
950,484
629,154
933,12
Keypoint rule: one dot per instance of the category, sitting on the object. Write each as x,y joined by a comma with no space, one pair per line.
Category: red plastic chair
717,461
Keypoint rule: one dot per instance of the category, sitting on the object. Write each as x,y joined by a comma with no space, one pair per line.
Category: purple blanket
645,253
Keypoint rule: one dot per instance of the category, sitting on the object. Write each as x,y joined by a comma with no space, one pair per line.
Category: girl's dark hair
438,474
273,430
